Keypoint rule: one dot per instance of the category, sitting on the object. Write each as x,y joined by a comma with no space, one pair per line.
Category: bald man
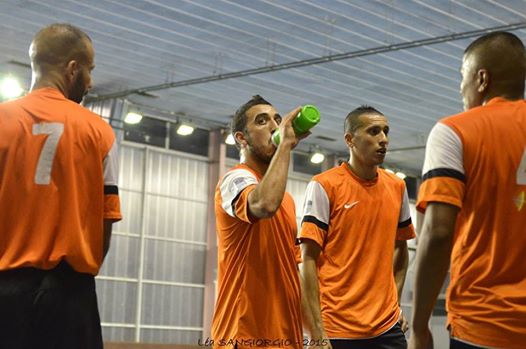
58,200
473,196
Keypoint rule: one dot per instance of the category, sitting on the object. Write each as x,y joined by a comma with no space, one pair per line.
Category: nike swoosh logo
350,205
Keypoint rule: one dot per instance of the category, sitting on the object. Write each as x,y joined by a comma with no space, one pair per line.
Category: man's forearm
107,228
400,264
432,262
267,196
310,290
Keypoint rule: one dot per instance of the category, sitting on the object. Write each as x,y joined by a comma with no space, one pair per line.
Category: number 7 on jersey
47,155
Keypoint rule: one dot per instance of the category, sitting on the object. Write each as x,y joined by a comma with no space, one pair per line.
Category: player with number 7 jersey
58,182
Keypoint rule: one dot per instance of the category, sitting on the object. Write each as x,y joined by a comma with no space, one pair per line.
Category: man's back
487,295
52,183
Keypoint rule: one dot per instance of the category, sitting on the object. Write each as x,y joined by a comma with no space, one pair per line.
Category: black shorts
392,339
48,309
456,344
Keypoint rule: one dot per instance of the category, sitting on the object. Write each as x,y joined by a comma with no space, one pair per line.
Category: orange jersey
258,302
57,162
476,161
356,223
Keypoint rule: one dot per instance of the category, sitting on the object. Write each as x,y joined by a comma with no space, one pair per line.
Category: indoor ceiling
201,59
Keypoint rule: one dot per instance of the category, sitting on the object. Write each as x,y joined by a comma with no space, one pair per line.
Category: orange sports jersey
58,181
258,301
356,223
476,161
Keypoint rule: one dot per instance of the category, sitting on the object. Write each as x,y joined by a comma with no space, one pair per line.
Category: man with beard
258,302
473,195
356,221
58,200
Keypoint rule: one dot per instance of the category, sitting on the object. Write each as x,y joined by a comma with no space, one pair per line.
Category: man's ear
482,80
240,139
72,68
349,139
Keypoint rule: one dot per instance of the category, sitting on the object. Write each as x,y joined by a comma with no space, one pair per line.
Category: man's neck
367,173
256,164
42,82
505,95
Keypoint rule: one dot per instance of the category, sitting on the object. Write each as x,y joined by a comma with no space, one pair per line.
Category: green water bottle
307,118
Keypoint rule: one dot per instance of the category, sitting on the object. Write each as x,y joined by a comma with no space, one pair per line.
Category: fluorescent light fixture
10,88
133,118
230,139
389,170
317,158
185,130
400,175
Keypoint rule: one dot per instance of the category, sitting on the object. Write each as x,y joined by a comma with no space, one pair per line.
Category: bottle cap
307,118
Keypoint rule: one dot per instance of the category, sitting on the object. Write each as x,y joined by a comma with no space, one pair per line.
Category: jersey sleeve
235,187
406,230
316,213
443,176
112,206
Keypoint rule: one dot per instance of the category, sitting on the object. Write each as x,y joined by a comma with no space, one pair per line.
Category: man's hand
403,323
421,340
288,136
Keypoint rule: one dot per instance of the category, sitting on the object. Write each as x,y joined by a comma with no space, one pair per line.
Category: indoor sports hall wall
152,284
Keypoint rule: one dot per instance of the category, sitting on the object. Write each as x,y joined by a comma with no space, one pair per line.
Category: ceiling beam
311,61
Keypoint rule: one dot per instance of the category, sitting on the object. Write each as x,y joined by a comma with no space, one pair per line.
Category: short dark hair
353,122
58,43
503,37
504,56
239,121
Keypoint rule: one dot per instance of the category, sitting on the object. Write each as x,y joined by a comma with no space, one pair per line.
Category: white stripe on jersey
111,166
443,150
405,212
316,202
232,185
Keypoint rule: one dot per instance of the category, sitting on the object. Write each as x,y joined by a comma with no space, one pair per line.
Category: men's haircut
353,122
500,36
503,55
239,121
63,42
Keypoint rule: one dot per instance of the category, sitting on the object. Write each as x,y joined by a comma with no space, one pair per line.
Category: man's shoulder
239,170
390,179
328,176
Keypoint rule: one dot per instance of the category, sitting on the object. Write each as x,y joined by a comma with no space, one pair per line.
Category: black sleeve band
405,223
111,190
314,220
444,172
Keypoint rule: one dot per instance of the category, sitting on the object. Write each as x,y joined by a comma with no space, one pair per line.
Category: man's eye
278,120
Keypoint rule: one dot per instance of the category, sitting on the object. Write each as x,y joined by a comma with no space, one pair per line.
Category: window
149,131
195,143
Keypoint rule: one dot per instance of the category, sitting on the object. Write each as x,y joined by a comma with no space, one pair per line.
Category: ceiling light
133,118
317,158
10,88
400,175
230,139
185,130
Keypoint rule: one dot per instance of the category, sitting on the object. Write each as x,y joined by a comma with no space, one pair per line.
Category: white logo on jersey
347,206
